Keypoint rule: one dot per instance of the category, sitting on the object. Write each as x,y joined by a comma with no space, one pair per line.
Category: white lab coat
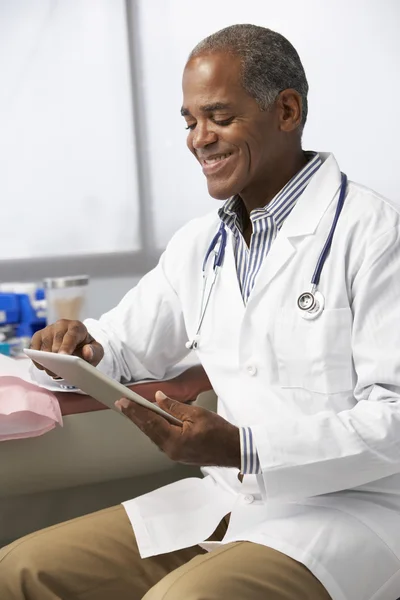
322,396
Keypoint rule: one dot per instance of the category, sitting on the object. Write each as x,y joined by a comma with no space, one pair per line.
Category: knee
19,564
187,587
11,568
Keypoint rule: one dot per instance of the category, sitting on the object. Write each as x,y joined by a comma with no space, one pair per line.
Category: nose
203,136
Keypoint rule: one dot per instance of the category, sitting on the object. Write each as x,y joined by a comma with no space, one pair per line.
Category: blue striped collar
232,212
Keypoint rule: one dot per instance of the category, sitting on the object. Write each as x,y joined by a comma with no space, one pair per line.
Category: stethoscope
219,253
311,304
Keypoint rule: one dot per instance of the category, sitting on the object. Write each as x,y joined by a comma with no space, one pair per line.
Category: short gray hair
270,63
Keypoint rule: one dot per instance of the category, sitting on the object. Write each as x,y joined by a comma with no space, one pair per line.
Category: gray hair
270,63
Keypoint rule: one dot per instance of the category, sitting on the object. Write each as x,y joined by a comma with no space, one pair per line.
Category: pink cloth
26,410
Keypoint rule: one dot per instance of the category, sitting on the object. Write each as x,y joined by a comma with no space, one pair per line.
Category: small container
65,297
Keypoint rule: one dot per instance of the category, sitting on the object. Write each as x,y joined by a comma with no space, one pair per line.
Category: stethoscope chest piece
311,304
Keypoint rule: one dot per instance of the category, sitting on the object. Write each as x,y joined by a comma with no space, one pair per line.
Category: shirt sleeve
250,464
145,334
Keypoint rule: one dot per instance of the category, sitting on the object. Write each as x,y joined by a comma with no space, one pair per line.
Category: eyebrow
206,108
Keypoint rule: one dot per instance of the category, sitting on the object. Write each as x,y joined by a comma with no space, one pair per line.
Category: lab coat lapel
302,221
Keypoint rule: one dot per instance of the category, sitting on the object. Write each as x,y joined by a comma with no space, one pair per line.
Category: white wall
105,292
350,50
67,156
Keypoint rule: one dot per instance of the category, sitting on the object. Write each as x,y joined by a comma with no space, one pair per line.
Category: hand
204,438
67,337
183,388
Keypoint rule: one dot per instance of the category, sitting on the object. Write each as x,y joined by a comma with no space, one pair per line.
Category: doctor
304,453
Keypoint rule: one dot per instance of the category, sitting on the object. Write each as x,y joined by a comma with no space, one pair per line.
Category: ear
289,105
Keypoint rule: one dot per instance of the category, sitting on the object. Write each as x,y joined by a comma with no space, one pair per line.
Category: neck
264,191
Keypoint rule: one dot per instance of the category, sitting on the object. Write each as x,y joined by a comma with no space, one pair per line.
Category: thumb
92,353
87,353
175,408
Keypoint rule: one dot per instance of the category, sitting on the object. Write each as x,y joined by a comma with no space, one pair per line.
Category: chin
220,192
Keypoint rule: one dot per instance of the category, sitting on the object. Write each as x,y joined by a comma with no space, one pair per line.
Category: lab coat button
251,370
248,499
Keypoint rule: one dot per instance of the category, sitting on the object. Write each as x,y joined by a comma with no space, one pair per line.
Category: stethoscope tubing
327,246
219,257
221,236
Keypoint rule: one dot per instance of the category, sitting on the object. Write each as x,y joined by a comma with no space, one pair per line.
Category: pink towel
26,410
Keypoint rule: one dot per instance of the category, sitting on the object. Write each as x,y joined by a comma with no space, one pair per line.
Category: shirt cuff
250,464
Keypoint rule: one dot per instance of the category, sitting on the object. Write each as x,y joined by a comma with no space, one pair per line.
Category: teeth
216,158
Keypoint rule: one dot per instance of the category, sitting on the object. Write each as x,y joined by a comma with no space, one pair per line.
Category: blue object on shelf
5,348
9,309
18,310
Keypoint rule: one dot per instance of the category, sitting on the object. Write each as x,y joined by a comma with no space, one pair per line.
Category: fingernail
122,403
161,395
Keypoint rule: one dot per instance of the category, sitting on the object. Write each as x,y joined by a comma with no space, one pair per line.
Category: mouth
215,163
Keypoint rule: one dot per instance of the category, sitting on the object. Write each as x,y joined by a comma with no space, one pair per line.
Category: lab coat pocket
315,354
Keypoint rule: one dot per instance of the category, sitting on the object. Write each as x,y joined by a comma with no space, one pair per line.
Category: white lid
65,282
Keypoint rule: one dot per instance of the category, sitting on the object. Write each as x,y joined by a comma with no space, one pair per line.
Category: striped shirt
266,222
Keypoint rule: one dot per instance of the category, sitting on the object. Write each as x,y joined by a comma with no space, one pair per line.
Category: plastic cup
65,297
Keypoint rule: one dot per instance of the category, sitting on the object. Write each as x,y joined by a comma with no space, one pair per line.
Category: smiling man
300,498
237,144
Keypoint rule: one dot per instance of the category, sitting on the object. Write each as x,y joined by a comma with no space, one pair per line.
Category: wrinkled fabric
26,410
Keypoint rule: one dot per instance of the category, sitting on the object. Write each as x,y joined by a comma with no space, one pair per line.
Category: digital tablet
93,382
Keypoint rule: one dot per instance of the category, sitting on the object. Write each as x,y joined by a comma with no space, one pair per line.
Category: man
300,498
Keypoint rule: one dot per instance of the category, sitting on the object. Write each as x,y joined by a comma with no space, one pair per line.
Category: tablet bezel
84,376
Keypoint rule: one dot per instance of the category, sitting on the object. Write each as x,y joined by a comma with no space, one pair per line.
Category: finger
92,352
87,353
184,412
36,341
74,335
156,427
38,366
46,341
41,340
58,337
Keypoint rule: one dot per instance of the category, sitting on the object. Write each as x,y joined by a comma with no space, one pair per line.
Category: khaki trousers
96,558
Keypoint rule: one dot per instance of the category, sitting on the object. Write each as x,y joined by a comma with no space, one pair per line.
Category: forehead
210,78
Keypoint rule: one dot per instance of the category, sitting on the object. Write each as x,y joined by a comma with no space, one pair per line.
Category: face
237,145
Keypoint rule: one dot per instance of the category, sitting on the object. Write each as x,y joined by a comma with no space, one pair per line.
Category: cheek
245,162
256,154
